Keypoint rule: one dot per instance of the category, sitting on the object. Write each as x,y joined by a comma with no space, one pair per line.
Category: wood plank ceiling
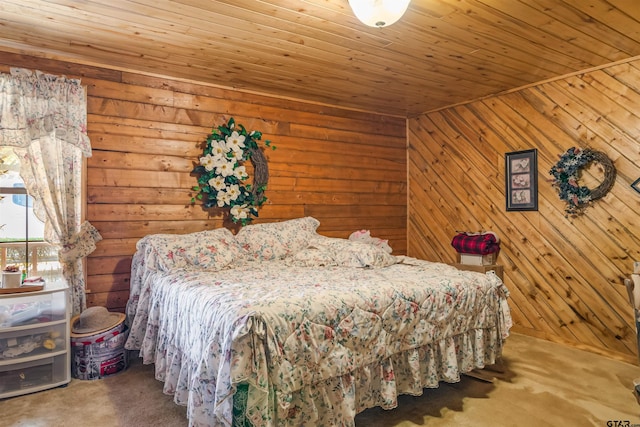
442,52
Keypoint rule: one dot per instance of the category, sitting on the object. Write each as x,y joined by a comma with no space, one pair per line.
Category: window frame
30,244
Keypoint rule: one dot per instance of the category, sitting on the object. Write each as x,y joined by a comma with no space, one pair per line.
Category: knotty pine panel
346,168
440,53
565,275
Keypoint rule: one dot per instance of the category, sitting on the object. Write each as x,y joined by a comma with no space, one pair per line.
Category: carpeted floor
541,384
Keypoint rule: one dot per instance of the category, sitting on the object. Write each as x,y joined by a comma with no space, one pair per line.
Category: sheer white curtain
44,118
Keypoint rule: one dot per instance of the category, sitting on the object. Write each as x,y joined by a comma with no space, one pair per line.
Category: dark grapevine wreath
222,180
566,174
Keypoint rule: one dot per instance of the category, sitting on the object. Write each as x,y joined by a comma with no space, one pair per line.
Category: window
21,233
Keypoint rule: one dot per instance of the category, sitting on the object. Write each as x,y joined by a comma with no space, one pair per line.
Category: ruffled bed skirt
203,351
332,402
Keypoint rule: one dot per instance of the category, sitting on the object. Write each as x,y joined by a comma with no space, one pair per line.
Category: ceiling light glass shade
379,13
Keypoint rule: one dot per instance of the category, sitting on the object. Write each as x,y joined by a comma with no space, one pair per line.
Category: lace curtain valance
34,105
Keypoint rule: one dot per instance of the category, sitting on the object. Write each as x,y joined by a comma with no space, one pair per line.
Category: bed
281,326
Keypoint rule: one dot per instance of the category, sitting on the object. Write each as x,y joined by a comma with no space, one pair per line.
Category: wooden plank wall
565,275
345,168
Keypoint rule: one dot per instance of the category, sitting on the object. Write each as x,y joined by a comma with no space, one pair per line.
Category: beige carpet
543,384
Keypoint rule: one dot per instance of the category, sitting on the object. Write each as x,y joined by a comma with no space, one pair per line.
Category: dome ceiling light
379,13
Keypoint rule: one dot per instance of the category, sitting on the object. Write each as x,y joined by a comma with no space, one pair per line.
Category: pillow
152,240
213,251
163,250
330,251
209,249
277,240
360,254
311,257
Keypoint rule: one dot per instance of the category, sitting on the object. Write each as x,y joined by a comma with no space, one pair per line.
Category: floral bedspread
316,345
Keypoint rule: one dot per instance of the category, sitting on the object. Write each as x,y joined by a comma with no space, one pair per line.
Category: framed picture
636,185
521,179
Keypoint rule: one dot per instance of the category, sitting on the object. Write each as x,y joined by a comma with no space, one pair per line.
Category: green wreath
567,174
222,179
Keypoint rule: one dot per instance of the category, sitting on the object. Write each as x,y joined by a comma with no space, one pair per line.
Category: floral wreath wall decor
222,179
566,176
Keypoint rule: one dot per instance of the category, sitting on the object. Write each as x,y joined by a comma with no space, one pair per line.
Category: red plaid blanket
482,244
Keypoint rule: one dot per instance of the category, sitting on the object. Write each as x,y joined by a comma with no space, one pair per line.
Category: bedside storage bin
33,308
34,340
34,375
20,342
101,355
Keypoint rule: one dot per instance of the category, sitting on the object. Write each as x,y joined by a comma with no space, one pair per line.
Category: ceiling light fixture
379,13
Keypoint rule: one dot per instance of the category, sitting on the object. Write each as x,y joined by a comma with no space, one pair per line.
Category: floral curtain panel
44,118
